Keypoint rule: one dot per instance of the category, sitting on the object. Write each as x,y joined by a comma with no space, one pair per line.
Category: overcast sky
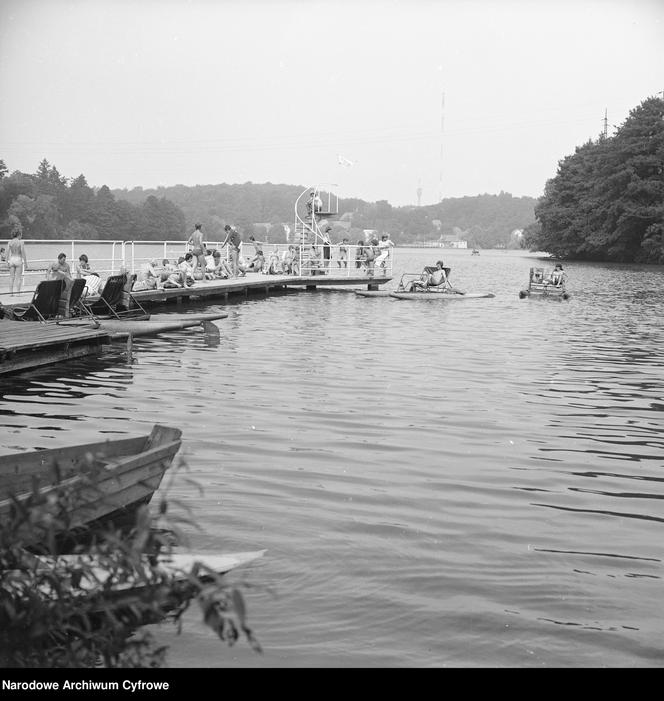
458,98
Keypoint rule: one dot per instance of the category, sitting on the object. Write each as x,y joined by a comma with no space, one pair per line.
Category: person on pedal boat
432,276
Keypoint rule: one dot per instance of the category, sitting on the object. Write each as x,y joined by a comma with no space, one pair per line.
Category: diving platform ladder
313,208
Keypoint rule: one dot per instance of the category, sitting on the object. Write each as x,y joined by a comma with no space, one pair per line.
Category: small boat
448,296
542,283
106,480
419,286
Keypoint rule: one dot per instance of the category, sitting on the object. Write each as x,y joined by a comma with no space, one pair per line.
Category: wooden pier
28,344
25,345
252,283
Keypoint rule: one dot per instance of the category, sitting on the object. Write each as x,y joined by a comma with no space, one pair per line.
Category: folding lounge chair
116,300
45,303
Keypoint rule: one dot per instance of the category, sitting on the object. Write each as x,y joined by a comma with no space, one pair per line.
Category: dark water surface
472,483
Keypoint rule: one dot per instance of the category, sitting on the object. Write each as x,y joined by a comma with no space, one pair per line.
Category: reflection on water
478,483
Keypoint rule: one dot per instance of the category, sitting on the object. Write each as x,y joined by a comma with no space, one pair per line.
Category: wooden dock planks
27,344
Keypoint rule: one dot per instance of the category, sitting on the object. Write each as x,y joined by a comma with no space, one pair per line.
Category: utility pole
442,129
419,194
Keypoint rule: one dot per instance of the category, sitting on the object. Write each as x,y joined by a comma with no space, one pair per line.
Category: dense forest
47,205
606,201
485,220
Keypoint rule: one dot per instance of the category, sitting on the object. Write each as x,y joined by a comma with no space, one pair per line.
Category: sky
374,100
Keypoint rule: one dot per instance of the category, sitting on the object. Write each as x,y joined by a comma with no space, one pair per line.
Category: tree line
606,201
484,220
46,205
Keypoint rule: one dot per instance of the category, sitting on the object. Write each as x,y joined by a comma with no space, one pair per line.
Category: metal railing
111,257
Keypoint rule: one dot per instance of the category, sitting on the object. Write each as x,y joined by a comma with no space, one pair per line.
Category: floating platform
28,344
252,283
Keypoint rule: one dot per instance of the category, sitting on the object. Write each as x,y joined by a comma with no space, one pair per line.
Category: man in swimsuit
432,276
198,249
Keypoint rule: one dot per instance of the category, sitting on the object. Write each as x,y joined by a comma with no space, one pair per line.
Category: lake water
463,484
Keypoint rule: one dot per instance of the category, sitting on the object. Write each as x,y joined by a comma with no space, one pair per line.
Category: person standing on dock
17,261
327,247
384,252
198,249
234,241
342,262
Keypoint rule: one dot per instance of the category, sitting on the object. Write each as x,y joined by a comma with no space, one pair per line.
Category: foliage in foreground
82,605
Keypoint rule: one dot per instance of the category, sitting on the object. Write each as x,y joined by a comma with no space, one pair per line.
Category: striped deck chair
45,303
116,300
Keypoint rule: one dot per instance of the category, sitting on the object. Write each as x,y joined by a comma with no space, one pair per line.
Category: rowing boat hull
106,480
441,296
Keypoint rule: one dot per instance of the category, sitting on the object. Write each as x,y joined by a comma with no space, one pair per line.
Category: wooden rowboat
104,480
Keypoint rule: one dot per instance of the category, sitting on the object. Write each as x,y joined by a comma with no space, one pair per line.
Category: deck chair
116,300
45,303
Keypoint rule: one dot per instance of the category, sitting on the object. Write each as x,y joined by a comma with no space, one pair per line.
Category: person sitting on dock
432,276
186,265
287,260
273,266
60,270
148,277
170,276
218,267
92,279
256,264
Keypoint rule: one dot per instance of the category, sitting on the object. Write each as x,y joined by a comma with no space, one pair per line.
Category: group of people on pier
200,263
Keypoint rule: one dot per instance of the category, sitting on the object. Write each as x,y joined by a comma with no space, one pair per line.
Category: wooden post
130,343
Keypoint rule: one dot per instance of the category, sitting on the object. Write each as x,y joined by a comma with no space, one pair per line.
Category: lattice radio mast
442,130
606,123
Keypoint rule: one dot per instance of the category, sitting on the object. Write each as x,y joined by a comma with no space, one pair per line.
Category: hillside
484,220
